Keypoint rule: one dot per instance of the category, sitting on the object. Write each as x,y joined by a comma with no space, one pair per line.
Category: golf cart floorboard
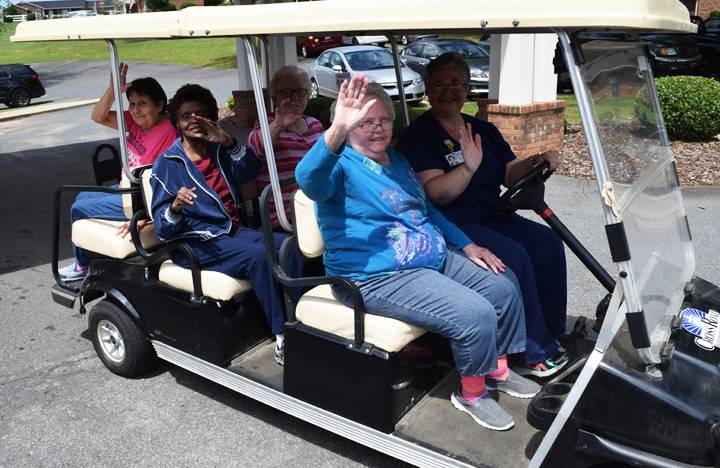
436,424
259,365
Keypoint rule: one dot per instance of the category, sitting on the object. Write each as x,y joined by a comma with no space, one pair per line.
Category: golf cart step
63,296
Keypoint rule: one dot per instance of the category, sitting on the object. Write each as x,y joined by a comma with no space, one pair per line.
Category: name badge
455,158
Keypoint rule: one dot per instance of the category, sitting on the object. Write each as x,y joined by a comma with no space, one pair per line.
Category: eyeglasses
454,85
385,124
291,93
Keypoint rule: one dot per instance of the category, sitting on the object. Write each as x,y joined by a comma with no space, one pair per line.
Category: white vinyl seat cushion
99,236
310,241
214,284
319,309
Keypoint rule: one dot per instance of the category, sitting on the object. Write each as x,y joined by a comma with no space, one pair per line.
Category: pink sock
79,267
472,387
502,370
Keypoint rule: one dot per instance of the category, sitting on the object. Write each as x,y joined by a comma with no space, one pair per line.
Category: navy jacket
207,217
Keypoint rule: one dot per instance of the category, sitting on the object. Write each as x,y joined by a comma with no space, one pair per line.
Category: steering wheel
527,192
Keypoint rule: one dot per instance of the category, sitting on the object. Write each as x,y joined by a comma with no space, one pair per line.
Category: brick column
529,128
245,109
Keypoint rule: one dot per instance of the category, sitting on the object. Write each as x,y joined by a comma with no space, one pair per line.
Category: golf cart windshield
642,188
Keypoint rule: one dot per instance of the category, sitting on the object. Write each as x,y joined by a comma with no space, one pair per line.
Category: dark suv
19,84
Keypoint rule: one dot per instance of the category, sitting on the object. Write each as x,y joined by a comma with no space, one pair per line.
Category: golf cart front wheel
118,342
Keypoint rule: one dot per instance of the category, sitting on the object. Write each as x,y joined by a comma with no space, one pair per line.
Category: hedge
690,107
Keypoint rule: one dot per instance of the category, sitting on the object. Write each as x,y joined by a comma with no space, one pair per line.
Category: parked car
364,40
19,84
670,54
335,65
405,39
310,46
712,25
485,45
418,54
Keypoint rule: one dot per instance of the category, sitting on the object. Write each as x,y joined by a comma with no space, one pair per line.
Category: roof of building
371,16
60,4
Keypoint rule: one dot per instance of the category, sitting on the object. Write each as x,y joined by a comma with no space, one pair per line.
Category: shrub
690,107
11,10
714,13
7,19
30,17
187,5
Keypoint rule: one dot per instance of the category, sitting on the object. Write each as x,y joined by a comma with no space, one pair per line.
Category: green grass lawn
219,53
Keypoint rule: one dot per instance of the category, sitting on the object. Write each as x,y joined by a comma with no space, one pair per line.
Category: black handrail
56,224
163,251
282,277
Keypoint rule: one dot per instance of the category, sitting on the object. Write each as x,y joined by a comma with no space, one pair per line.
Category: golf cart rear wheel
19,98
118,342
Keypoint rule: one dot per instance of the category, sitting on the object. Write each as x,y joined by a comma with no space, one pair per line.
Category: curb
43,108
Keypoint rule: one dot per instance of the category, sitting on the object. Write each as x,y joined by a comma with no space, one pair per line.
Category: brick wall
706,6
529,129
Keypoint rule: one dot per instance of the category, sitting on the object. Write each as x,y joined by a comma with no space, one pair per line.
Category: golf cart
644,393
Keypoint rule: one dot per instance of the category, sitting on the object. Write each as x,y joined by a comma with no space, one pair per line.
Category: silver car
335,65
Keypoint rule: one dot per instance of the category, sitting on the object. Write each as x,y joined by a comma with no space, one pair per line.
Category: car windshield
713,25
642,189
369,59
465,48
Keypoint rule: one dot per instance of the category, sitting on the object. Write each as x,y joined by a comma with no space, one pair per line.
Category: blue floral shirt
374,219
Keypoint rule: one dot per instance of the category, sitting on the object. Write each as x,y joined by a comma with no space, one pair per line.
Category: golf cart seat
319,309
100,236
215,285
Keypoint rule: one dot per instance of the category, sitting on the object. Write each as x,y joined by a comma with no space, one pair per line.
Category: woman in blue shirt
466,186
381,232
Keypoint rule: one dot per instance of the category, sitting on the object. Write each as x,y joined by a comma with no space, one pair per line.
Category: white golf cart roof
336,16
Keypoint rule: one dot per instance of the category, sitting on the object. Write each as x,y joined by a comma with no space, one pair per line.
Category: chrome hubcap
111,341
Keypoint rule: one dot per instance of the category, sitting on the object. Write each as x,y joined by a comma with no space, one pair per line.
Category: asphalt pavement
61,407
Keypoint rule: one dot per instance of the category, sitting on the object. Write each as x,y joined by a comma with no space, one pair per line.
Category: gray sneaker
485,411
515,385
280,354
72,273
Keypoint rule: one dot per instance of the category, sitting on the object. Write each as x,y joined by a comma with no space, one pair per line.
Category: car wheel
118,342
315,92
304,51
355,41
19,98
404,40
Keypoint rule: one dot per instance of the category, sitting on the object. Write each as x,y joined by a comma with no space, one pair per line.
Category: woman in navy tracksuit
195,197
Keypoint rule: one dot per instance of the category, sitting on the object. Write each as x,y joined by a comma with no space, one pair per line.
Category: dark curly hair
151,88
192,92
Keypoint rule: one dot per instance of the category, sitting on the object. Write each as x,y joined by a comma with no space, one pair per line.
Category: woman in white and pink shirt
149,134
292,132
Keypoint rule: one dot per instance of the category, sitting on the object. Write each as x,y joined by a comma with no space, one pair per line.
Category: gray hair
374,90
448,59
290,71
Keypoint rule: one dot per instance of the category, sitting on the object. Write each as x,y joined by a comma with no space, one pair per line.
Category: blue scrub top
427,145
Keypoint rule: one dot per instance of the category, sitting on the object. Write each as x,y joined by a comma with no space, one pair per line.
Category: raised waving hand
350,110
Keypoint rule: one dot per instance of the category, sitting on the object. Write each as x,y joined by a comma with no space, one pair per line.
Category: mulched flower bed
697,163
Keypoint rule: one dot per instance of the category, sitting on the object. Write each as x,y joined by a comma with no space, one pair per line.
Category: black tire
118,342
404,40
315,89
355,41
304,51
19,98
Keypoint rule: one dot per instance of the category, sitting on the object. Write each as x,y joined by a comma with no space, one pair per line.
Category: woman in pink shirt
149,134
292,132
